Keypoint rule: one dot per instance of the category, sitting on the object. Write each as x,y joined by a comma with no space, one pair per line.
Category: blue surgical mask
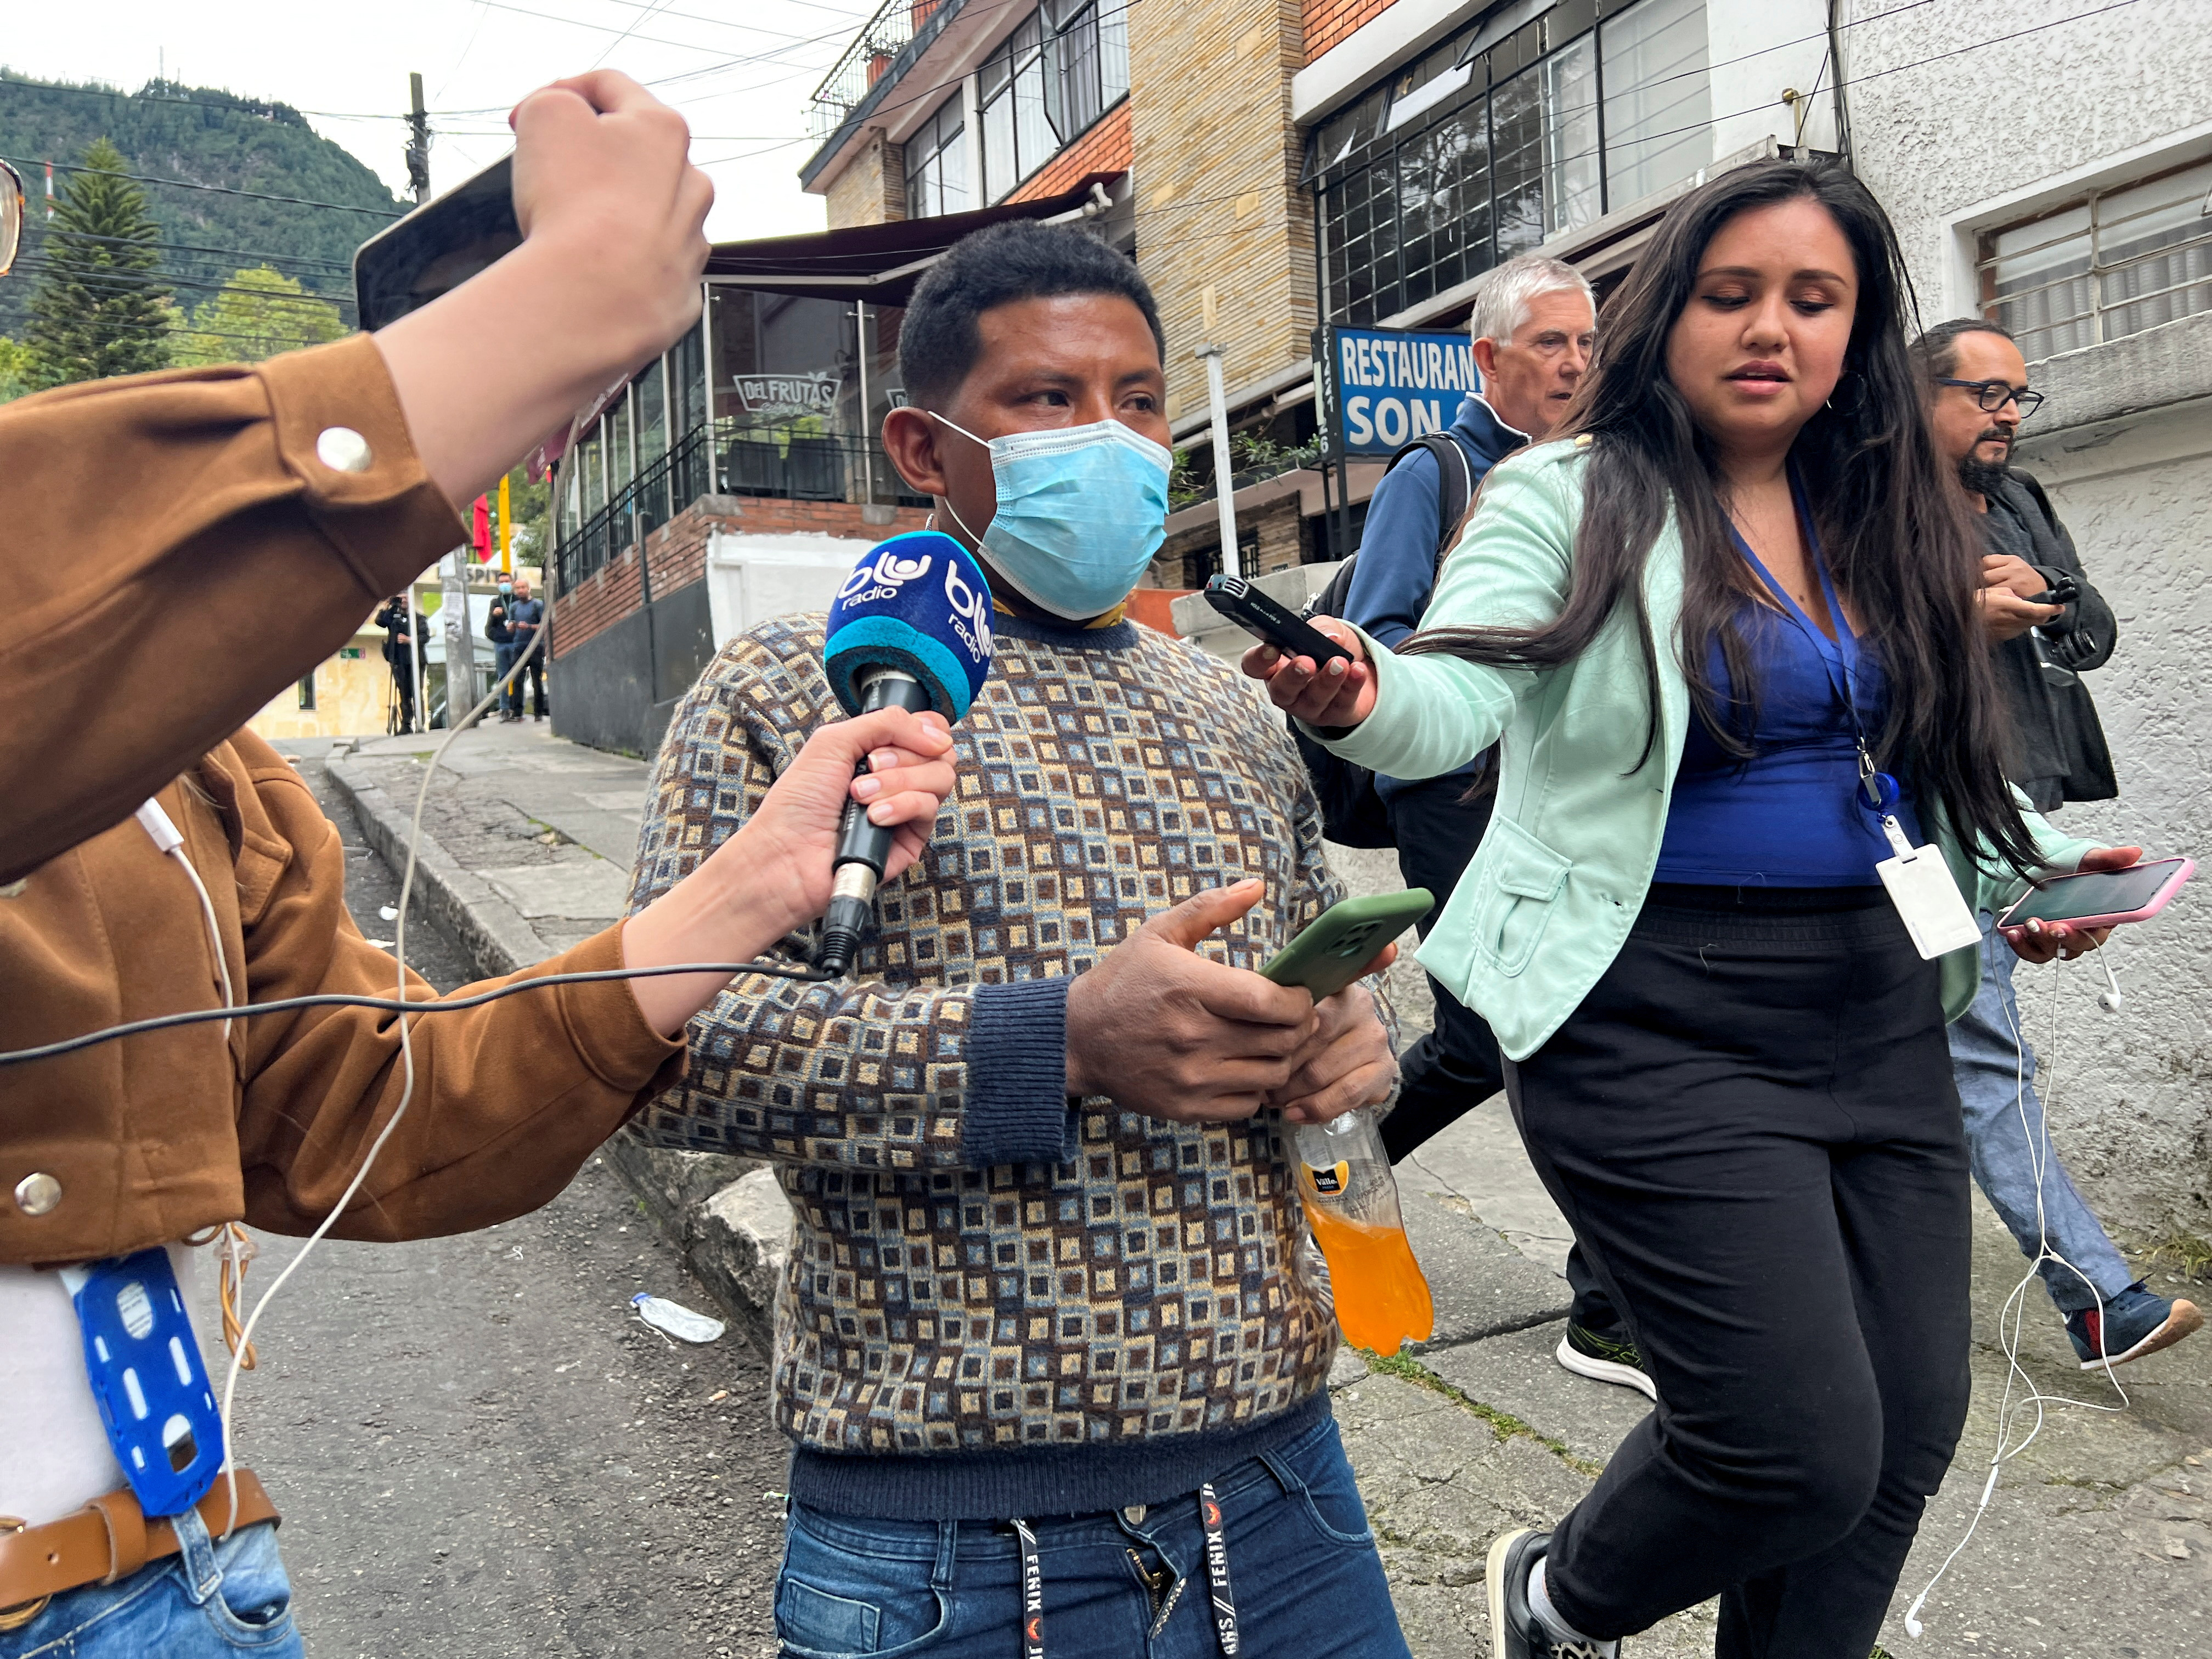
1081,510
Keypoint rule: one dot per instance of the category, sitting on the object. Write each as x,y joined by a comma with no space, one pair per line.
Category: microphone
911,629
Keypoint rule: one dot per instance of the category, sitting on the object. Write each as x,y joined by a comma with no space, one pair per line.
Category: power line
33,227
652,40
222,190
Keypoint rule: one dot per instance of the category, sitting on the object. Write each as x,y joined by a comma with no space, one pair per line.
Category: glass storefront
1488,145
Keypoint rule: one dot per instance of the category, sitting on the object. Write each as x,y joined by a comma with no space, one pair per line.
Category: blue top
1793,815
1397,575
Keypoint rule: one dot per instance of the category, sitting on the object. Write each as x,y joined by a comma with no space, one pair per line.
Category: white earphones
2108,1000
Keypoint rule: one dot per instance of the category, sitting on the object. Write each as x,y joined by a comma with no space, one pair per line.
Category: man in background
502,652
1533,325
525,617
2047,627
397,623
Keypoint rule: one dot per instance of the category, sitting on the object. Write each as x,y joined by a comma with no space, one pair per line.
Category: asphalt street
479,1451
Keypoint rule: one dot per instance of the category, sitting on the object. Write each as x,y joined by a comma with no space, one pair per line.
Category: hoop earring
1858,393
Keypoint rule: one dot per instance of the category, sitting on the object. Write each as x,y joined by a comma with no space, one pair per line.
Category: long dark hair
1892,526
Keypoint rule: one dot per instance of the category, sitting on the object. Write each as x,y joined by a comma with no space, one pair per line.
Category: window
1064,67
1659,98
2112,263
1466,158
308,690
937,165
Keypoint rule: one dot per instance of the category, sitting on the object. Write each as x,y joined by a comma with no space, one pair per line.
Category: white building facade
2049,164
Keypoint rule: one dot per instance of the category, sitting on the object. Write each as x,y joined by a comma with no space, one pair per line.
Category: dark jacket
1396,573
495,628
2057,750
397,623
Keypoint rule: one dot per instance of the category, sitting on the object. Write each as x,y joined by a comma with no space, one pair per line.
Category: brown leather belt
104,1542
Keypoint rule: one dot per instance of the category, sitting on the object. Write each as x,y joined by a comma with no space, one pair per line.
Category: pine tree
99,310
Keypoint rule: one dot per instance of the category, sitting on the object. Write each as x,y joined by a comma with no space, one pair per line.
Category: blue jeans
212,1601
1997,1084
510,695
1308,1583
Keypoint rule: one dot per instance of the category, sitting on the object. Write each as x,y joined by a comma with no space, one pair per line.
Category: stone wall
872,188
2133,1114
1216,163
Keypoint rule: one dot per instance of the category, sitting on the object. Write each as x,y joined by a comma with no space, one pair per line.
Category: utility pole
418,143
1224,489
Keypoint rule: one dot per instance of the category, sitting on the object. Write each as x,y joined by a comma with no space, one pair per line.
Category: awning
879,263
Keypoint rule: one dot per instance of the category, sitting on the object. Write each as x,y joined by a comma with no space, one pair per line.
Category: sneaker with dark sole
1516,1631
1607,1359
2132,1324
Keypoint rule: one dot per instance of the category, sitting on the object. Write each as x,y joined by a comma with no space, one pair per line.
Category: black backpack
1352,812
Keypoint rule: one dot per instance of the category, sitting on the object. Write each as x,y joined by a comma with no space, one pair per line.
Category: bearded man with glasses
2047,626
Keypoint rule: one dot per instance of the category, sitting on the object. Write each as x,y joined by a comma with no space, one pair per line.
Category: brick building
1277,167
1280,165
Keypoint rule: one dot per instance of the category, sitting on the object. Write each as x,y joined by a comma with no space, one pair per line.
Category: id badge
143,1362
1927,898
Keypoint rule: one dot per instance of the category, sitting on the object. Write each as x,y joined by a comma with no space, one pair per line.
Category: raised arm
177,547
510,1097
1423,715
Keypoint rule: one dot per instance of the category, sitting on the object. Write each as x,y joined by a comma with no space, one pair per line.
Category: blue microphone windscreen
918,602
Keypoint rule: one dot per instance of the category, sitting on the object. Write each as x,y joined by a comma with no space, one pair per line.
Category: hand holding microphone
774,874
911,630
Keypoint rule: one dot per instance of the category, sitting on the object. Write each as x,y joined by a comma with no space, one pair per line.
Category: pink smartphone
2102,898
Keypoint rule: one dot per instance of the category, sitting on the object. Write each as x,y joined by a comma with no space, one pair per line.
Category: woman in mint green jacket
1725,637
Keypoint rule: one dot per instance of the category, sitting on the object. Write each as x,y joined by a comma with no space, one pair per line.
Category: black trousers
402,679
1455,1067
533,672
1751,1123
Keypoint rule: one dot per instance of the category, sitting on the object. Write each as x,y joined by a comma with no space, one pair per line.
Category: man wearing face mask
1043,1350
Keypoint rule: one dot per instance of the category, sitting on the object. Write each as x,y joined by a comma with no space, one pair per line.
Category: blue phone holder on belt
145,1364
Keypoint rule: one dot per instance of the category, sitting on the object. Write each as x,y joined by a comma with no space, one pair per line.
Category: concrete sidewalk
2096,1540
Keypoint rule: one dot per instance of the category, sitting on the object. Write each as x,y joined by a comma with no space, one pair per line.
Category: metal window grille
2106,264
1488,145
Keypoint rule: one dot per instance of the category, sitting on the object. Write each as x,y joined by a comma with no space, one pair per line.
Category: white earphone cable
2013,1315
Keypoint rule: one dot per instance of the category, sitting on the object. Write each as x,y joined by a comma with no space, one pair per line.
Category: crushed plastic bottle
1381,1296
676,1319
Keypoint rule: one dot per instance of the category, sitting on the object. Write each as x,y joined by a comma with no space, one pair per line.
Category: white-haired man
1533,325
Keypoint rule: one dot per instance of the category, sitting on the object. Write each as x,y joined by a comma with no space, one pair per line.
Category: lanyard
1218,1591
1877,792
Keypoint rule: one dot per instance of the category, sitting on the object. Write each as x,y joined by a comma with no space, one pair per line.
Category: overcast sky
742,84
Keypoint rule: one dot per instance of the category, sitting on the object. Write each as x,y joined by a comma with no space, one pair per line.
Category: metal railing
731,458
873,53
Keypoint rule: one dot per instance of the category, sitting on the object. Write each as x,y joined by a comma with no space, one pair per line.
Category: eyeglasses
1993,395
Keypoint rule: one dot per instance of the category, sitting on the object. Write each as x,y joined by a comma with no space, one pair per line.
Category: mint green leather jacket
1559,878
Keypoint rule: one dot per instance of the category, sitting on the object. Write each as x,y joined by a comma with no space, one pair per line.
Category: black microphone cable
394,1005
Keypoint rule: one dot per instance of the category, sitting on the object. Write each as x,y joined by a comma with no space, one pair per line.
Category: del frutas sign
1393,385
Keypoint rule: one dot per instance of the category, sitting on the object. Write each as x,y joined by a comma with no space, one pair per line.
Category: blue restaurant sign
1393,385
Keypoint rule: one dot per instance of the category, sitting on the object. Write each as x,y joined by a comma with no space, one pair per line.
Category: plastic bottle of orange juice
1352,1205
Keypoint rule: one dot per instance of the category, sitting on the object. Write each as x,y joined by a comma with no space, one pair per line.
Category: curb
495,936
727,1217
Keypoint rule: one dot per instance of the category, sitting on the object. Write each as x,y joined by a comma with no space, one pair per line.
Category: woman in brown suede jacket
176,548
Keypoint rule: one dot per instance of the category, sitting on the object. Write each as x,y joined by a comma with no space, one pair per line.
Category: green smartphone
1329,955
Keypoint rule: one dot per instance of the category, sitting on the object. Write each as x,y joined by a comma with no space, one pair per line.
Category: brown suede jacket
173,549
153,1137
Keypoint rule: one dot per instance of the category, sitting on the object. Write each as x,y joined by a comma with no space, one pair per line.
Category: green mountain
203,137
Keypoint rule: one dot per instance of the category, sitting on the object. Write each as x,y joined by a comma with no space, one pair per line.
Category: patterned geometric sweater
1000,1302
